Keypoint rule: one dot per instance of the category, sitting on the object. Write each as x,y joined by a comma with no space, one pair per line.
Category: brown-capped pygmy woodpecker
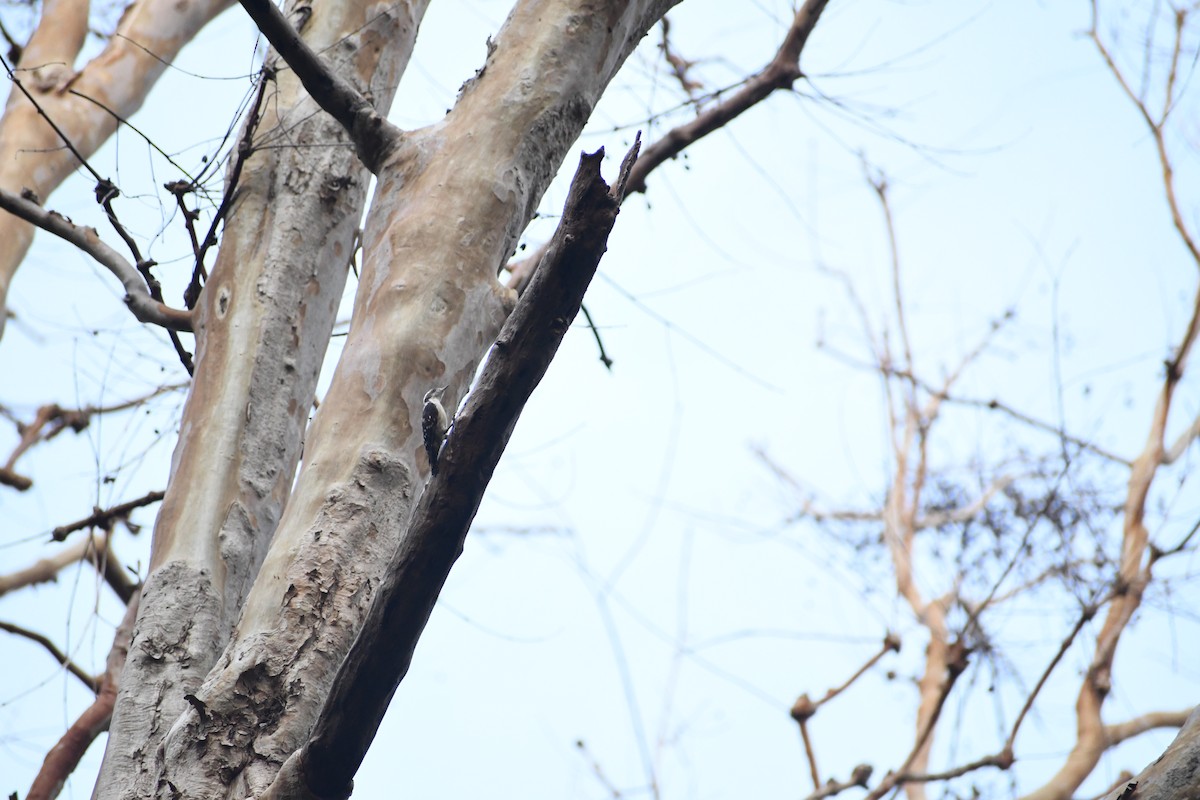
434,424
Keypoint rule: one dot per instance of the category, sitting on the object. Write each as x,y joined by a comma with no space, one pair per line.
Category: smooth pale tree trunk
84,105
263,327
451,201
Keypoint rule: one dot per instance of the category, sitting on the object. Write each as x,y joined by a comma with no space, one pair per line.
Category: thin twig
243,151
1089,612
42,112
62,658
604,359
104,517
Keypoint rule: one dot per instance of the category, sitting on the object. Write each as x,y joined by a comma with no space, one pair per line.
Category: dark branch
371,133
104,518
370,674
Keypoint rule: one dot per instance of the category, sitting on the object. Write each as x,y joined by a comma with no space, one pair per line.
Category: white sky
631,529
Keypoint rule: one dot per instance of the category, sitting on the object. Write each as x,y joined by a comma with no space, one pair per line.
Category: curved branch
1120,731
780,73
144,307
64,757
62,658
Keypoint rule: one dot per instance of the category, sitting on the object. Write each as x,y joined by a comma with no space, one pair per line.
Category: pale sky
637,579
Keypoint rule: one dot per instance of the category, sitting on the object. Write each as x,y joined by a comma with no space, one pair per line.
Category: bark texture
1173,775
264,323
450,203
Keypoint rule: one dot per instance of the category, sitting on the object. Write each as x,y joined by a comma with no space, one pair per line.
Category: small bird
434,424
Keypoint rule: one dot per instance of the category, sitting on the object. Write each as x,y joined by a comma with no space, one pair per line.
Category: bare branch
46,570
369,674
858,777
1120,731
59,656
372,134
680,66
1182,442
956,664
782,71
137,297
103,518
1020,416
1088,613
51,420
804,708
1002,760
1157,124
1172,775
64,757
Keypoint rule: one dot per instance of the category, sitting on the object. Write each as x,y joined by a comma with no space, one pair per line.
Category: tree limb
104,517
64,757
369,675
780,73
62,658
372,134
1174,774
47,569
137,297
1120,731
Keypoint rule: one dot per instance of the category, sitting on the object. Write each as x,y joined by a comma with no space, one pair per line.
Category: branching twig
859,776
244,149
1156,124
782,71
105,517
51,420
137,297
955,666
680,66
1020,416
804,708
42,113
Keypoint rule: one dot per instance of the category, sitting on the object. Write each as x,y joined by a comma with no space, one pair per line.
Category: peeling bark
264,323
452,199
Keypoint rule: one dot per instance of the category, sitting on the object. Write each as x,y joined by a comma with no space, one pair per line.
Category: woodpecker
434,424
